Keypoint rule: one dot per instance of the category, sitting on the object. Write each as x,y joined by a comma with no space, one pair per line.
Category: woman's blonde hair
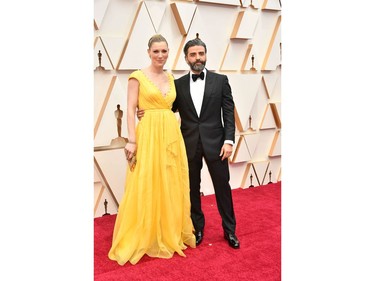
156,38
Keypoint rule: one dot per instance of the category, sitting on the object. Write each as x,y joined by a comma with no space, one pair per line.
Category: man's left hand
226,151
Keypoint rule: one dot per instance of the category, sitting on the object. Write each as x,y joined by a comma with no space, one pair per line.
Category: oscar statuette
105,208
270,173
100,67
251,181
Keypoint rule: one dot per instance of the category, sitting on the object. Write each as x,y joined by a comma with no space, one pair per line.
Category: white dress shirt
197,91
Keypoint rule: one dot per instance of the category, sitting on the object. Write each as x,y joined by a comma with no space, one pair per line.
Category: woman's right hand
130,150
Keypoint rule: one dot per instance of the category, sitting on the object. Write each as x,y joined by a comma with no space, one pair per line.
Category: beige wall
234,31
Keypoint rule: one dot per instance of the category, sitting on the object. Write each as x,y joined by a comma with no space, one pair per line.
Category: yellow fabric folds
154,213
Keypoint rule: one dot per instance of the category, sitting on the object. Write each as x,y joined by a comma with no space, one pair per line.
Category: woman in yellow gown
154,214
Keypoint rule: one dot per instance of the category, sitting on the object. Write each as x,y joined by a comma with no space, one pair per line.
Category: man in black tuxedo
206,107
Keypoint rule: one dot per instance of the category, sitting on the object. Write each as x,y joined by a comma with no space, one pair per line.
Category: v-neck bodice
150,96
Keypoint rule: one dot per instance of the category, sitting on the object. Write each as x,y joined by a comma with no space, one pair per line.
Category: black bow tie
196,76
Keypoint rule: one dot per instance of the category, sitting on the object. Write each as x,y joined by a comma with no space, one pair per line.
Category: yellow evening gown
154,214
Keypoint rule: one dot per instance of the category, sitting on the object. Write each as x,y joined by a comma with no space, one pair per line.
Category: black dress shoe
232,240
198,237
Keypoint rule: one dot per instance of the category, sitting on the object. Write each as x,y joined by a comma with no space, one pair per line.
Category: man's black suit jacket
216,121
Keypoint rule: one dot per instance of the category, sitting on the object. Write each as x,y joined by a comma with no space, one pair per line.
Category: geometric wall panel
234,55
223,2
113,46
261,170
245,3
183,13
240,151
268,121
237,171
98,189
237,140
141,32
251,141
102,191
268,176
123,80
97,178
275,149
245,88
98,193
112,164
216,36
179,63
115,25
275,95
100,8
272,83
156,11
275,112
271,5
107,129
273,54
251,61
105,61
259,106
263,145
269,80
256,3
266,41
249,178
103,83
247,57
274,168
245,24
278,177
102,195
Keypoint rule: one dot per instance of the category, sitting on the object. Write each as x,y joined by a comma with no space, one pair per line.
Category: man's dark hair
194,42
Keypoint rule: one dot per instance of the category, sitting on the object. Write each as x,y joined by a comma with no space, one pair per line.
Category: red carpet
258,215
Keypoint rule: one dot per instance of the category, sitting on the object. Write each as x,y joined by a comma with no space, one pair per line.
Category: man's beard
198,68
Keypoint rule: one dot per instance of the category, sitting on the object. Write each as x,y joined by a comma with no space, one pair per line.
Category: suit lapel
207,89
